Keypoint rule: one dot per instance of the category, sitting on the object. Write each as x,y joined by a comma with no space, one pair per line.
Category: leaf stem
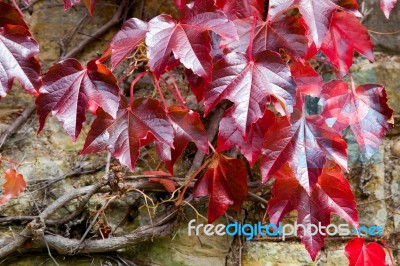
181,195
177,93
131,95
159,91
353,86
17,8
212,147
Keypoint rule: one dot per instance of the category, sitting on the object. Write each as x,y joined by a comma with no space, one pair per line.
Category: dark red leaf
132,128
188,40
387,6
14,185
68,88
308,81
125,41
331,194
359,254
250,147
226,183
305,142
197,84
250,85
284,33
241,8
187,128
9,15
345,36
191,45
316,13
17,61
363,108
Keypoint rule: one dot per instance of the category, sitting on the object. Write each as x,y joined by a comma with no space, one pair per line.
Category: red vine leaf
331,194
68,89
250,147
250,84
308,80
188,39
14,185
363,108
242,8
132,128
304,142
125,41
346,35
226,182
387,6
17,61
316,13
283,33
187,128
9,15
360,254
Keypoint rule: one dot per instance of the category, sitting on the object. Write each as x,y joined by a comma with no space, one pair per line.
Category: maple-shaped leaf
360,254
188,39
225,181
283,33
364,108
187,128
133,31
133,127
241,8
308,80
346,35
387,6
331,194
251,146
316,13
14,185
68,88
304,142
250,83
17,59
9,15
90,4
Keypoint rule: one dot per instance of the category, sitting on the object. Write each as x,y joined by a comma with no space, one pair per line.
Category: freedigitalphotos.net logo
280,230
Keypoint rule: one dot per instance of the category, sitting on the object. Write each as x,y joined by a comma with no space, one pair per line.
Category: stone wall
385,32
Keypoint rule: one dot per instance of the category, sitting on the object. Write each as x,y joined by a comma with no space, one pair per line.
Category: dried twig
13,128
38,223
